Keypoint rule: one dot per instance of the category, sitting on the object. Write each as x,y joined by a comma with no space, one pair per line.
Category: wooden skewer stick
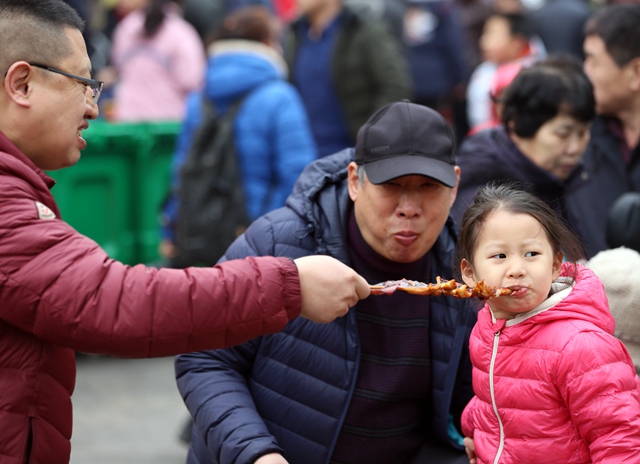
441,287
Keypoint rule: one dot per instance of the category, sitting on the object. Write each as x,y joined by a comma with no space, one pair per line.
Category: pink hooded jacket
60,292
553,385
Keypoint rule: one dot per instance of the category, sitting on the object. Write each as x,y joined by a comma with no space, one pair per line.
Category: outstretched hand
328,287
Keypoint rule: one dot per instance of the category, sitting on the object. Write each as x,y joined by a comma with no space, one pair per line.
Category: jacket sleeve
467,423
602,395
213,383
463,390
274,143
478,100
188,58
214,388
62,287
294,146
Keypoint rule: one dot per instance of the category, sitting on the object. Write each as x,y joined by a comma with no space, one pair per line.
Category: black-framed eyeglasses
92,84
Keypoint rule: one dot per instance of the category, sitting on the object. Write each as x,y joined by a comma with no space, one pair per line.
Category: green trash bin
97,195
153,185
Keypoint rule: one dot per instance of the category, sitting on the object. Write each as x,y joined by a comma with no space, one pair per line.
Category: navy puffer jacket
609,178
289,392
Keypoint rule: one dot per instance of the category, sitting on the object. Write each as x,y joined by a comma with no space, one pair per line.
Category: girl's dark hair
542,91
155,17
510,197
34,30
250,23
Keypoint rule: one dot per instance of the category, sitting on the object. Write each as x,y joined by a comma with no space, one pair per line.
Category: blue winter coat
289,392
272,135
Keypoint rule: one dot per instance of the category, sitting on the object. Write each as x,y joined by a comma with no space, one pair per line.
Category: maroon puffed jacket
60,292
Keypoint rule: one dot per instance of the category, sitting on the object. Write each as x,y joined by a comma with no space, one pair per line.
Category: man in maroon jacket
60,292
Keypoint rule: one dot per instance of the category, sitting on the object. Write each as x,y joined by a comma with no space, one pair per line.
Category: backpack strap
211,119
212,209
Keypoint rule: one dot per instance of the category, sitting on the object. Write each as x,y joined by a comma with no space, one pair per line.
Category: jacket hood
321,197
317,175
582,299
236,66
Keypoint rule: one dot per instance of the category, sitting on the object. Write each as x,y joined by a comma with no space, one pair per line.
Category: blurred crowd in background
311,72
534,90
449,48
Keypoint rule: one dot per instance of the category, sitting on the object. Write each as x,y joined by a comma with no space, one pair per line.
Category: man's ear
521,43
352,181
17,83
467,273
454,190
634,70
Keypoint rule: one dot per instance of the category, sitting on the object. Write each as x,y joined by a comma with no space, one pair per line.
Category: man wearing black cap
388,382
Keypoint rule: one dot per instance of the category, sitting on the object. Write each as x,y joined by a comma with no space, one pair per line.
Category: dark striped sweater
386,416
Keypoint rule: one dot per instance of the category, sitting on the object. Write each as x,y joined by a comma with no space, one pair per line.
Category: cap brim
384,170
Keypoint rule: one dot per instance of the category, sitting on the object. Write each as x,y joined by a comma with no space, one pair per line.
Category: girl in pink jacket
552,384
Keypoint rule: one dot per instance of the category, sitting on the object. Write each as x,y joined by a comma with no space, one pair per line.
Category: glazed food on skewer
441,287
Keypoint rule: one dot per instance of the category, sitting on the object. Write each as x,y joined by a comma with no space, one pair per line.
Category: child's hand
470,449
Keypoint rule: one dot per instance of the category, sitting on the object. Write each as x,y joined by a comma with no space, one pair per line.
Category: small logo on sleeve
44,212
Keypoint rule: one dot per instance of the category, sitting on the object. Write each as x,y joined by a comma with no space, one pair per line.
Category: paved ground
127,412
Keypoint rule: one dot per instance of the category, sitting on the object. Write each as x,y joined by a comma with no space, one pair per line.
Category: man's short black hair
47,11
542,91
34,30
619,28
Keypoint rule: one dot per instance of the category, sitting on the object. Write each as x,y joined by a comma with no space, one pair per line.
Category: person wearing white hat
618,270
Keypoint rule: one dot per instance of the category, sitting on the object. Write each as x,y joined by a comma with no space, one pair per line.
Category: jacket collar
8,147
231,46
559,291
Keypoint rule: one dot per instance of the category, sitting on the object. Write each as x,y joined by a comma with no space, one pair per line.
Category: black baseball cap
402,139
